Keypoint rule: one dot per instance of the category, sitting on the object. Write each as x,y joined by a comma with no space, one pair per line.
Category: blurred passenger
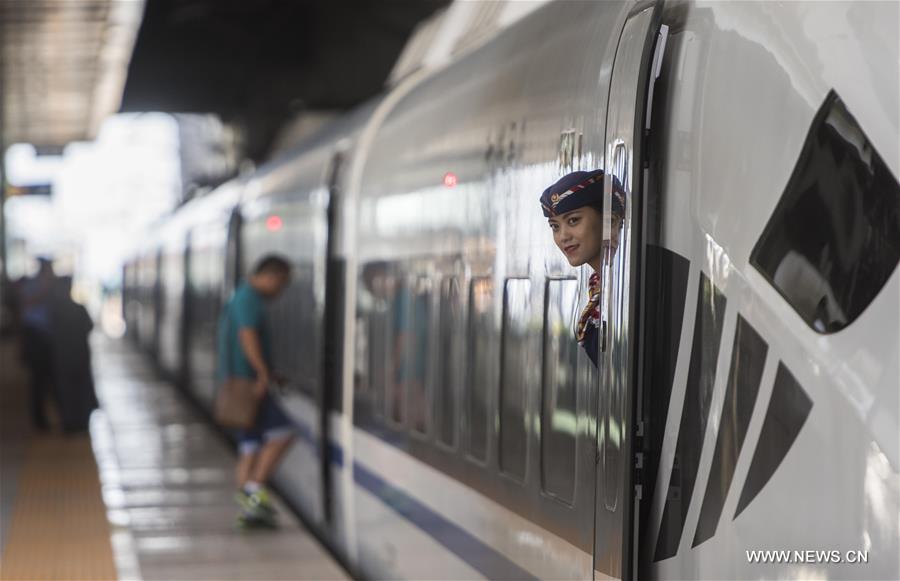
574,209
9,310
37,347
71,326
244,350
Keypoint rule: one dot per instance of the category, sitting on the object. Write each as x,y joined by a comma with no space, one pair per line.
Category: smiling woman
574,209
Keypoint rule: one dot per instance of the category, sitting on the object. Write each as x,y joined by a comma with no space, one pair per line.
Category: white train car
744,420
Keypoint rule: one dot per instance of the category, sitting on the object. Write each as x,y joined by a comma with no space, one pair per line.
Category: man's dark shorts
271,424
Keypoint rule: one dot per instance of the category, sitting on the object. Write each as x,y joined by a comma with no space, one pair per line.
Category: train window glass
372,347
518,372
418,350
558,417
298,358
480,378
450,360
399,336
834,238
377,357
305,312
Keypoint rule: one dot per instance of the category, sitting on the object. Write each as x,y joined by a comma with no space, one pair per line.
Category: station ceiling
64,64
257,63
62,67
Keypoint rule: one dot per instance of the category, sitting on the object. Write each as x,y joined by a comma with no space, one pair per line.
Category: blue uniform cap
578,189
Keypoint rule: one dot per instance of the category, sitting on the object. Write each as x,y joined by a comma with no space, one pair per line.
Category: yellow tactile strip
59,528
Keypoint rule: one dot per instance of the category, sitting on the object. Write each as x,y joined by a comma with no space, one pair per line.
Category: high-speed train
744,418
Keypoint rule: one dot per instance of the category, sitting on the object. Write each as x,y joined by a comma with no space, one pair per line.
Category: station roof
62,66
257,63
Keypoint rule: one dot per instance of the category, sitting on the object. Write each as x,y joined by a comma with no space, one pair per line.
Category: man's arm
252,348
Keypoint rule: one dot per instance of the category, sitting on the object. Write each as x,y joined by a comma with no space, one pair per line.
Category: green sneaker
261,499
250,522
256,505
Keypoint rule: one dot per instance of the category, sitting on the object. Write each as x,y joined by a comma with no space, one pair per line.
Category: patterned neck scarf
591,313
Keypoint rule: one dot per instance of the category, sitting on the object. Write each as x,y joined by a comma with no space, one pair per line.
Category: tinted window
519,374
398,363
418,353
377,340
481,376
558,419
450,360
834,238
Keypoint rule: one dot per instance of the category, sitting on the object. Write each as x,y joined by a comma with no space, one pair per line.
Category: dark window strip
788,409
747,361
664,304
695,413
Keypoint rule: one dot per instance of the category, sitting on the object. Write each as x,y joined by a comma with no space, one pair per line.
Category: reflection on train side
481,379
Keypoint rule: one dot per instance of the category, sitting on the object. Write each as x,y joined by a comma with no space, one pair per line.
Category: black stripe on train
838,225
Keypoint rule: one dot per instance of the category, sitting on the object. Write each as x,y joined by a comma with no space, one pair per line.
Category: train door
618,493
332,361
291,220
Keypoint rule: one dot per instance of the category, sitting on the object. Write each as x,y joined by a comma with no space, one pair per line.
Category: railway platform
146,495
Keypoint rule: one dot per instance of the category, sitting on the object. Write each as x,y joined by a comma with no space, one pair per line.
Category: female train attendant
574,209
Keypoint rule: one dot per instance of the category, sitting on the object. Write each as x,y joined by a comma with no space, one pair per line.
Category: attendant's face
579,235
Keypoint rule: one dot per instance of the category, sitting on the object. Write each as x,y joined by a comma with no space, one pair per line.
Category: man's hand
262,384
252,348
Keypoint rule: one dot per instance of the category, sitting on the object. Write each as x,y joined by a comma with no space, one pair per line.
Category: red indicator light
274,223
450,179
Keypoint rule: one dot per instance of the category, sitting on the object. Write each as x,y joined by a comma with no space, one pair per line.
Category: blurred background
113,115
82,207
115,112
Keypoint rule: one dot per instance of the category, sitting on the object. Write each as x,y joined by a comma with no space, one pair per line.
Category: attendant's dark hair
273,263
617,207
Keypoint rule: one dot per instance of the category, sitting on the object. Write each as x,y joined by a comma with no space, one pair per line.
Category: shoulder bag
236,403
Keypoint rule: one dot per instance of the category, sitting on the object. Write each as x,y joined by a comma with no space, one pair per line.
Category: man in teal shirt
244,349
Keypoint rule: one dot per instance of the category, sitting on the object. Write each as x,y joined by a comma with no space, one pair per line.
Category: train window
450,360
417,354
834,238
377,357
307,311
297,353
399,336
519,374
373,350
480,379
558,418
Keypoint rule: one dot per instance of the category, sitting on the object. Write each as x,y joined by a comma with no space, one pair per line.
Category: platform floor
52,518
167,488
